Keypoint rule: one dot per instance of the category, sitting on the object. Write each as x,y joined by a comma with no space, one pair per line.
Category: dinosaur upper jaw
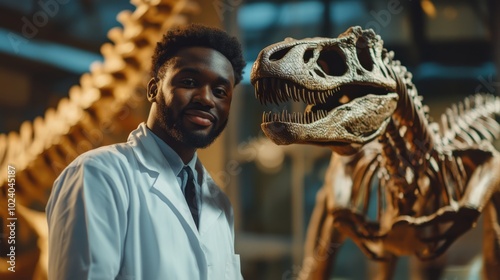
344,128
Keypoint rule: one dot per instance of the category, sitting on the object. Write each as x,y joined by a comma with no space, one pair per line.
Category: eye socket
332,61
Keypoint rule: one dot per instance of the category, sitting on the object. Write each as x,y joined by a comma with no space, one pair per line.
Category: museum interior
85,64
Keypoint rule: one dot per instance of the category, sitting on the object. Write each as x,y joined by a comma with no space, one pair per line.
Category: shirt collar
173,158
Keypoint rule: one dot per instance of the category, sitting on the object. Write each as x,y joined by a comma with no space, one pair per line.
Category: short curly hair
197,35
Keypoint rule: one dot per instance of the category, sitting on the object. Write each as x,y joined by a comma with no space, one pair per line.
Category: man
147,209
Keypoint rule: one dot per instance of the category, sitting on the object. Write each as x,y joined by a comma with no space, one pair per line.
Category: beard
176,129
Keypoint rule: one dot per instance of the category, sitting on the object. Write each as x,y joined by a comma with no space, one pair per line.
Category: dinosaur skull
345,81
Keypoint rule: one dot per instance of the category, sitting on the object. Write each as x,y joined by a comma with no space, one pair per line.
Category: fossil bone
432,181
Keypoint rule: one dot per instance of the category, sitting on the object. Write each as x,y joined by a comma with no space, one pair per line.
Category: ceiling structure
44,48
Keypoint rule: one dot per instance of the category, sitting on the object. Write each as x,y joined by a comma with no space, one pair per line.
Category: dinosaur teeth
299,118
287,90
268,90
279,97
295,94
257,95
280,90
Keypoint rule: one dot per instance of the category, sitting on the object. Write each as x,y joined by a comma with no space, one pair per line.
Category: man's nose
205,96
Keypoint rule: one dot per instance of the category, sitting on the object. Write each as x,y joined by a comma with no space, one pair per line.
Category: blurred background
452,47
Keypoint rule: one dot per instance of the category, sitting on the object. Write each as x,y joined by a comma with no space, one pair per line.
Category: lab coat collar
164,182
173,158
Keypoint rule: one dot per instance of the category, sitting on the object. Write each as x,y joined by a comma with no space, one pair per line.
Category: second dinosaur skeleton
432,180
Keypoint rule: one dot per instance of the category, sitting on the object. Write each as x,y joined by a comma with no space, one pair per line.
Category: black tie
190,195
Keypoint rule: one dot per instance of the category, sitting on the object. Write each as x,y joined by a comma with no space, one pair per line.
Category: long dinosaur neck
407,144
410,119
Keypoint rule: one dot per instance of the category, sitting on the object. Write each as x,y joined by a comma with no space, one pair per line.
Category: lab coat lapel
211,207
164,182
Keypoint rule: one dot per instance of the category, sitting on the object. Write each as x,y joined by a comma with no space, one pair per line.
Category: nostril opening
308,54
332,62
363,54
277,55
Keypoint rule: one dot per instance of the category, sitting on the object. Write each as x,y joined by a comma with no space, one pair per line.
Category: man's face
194,96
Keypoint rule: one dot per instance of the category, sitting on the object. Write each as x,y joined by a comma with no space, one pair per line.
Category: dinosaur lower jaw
353,124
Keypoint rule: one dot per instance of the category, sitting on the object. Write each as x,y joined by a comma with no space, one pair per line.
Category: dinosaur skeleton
431,180
101,110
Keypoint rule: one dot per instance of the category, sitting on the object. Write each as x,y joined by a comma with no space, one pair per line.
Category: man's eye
220,92
188,82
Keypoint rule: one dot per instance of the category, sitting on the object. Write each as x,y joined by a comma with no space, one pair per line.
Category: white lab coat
118,212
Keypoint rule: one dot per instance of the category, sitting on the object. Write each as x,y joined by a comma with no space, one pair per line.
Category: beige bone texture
428,182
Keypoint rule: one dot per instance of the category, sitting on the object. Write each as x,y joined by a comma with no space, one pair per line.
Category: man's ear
152,90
